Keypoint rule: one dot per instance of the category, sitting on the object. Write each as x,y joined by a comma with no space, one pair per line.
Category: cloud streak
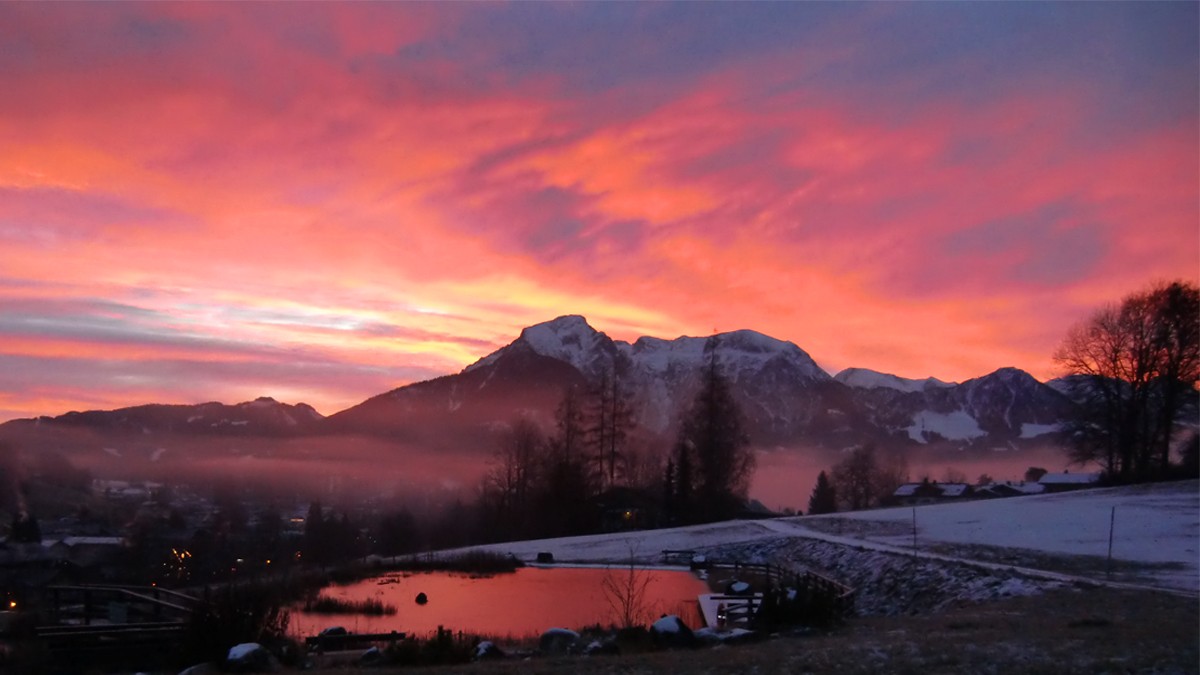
326,201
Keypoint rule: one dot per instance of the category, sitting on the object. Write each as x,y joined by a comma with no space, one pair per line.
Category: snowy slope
1157,524
864,378
567,338
955,426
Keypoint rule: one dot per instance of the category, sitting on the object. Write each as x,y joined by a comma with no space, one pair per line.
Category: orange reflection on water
521,604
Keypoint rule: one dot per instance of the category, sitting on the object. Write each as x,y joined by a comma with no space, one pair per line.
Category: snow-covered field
1157,528
1156,523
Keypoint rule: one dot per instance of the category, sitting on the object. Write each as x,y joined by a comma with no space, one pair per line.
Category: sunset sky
322,202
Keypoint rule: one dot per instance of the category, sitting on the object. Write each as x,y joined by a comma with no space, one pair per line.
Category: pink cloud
296,177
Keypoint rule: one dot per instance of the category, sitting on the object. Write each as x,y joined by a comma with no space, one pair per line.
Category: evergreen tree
25,529
824,497
510,485
564,490
609,422
683,485
668,487
396,534
713,432
315,545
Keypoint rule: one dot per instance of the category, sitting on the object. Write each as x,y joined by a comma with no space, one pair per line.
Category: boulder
599,647
671,631
557,641
201,669
736,587
422,598
371,657
248,657
486,651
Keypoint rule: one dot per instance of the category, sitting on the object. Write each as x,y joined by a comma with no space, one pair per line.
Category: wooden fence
826,599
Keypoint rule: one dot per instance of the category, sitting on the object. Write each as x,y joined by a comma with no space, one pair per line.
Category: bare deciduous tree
626,592
861,480
1133,368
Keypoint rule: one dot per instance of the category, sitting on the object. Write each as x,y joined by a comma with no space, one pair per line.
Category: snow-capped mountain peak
567,338
864,378
563,338
735,352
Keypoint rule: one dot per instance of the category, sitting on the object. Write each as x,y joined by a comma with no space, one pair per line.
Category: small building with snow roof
1009,489
929,492
1062,482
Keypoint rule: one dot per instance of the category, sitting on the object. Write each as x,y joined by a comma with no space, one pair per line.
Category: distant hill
260,417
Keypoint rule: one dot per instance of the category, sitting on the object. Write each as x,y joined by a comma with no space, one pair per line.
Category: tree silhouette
563,488
855,478
609,421
1134,368
712,436
824,497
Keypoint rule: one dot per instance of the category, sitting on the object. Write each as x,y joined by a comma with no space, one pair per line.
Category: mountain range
786,398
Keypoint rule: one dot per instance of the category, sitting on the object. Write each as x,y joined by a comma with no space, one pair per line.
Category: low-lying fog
348,468
786,476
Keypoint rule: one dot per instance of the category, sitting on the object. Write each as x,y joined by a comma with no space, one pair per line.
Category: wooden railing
348,640
838,597
87,602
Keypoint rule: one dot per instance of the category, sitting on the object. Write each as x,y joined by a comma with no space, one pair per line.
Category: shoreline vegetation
324,604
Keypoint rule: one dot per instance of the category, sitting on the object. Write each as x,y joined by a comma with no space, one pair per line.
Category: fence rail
117,604
348,640
840,598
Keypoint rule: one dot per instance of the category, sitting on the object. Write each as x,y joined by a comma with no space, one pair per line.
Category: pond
518,604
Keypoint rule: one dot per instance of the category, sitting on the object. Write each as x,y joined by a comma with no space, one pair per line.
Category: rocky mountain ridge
786,397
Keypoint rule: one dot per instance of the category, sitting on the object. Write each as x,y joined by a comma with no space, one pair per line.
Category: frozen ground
1157,525
966,552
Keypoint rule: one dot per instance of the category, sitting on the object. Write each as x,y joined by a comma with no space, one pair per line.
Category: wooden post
914,530
1112,520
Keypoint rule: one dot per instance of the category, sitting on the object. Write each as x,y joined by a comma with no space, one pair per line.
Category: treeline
585,473
862,480
585,476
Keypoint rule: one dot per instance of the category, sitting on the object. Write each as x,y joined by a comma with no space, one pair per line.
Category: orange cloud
390,192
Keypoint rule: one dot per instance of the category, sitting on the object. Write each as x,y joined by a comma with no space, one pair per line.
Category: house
1062,482
929,492
86,552
1009,489
623,508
